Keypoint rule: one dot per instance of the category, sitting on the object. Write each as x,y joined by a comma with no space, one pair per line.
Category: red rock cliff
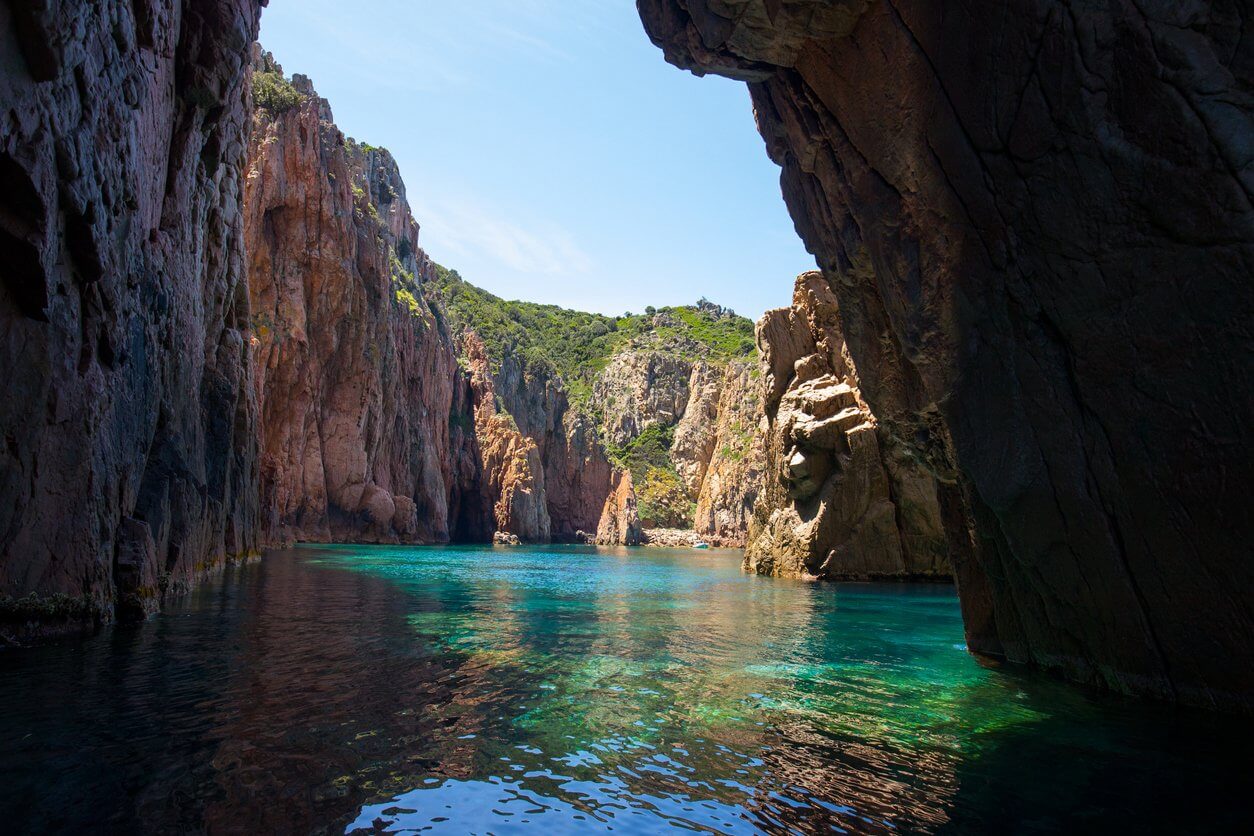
367,429
1038,220
128,465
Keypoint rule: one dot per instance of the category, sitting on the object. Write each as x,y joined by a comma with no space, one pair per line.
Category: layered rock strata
129,465
837,503
1037,218
368,429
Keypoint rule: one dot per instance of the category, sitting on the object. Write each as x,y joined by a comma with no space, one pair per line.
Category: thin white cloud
537,247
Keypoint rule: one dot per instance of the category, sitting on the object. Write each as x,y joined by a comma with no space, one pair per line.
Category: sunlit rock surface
367,431
838,502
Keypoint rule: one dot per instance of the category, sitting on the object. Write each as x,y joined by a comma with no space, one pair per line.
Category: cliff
735,471
577,474
600,394
129,466
513,471
366,430
839,502
1037,220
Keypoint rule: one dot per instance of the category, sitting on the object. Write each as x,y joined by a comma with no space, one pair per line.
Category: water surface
564,689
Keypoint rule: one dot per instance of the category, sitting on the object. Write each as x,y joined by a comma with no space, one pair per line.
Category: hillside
632,375
578,345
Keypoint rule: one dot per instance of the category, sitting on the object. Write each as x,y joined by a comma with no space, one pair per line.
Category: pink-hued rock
513,471
1037,220
128,464
577,473
365,412
620,521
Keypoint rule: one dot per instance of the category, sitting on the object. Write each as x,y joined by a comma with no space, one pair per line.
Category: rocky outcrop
620,522
513,471
128,466
735,472
1038,221
696,433
712,412
640,389
366,416
577,473
836,503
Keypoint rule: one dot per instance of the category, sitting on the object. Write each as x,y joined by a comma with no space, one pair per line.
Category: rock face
620,521
837,503
735,472
640,389
1037,219
129,465
716,451
577,474
514,473
366,416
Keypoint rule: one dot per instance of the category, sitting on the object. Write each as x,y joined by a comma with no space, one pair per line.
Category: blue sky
549,152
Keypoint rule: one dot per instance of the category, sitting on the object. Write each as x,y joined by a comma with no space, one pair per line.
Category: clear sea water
573,690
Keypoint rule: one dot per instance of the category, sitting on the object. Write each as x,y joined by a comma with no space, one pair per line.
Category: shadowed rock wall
128,465
1037,218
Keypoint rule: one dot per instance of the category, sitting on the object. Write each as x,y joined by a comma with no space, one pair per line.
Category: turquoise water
565,689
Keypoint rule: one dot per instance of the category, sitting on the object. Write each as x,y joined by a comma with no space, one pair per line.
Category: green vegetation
663,499
274,93
577,345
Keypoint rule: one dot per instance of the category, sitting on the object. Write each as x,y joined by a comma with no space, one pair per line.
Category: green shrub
275,94
577,344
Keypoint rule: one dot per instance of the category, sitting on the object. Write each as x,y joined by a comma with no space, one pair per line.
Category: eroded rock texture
128,465
577,474
620,521
512,467
641,389
716,450
840,501
367,431
1037,219
735,472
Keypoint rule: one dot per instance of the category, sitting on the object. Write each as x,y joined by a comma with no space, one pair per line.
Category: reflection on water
477,690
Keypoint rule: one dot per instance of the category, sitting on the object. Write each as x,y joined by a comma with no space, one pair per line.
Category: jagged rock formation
1037,218
514,473
128,466
620,522
577,474
837,504
366,416
640,389
736,469
716,451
